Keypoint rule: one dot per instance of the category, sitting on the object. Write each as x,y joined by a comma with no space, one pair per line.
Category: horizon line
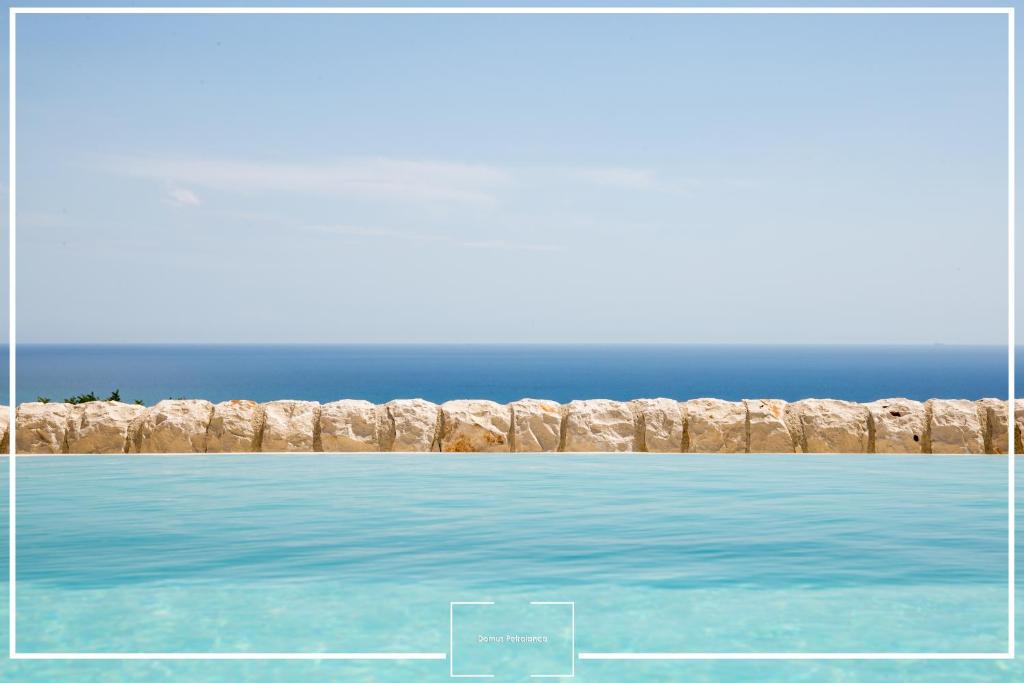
502,343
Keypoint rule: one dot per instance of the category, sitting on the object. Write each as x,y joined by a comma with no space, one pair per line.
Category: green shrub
82,398
115,395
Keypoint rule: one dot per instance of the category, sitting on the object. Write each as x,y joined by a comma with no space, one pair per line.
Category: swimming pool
364,553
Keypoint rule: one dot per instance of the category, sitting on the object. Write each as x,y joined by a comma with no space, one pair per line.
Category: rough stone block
101,427
351,426
832,426
235,427
5,429
42,428
716,426
767,428
474,426
955,427
599,426
290,426
412,426
536,425
660,425
995,423
171,426
900,425
1018,426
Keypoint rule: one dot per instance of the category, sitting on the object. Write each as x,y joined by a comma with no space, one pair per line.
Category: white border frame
1011,206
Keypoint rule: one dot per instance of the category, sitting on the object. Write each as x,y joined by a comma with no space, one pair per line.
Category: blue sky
795,179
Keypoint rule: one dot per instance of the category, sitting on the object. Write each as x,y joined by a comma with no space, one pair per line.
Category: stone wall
660,425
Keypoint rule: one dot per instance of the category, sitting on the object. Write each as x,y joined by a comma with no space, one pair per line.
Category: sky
335,179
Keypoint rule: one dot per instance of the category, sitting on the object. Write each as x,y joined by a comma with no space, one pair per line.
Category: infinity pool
366,553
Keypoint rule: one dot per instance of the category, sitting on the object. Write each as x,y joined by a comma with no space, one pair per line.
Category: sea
504,373
439,555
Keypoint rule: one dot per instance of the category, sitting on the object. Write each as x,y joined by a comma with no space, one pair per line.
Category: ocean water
365,553
438,373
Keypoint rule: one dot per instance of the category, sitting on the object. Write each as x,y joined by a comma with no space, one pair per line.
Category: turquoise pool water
364,553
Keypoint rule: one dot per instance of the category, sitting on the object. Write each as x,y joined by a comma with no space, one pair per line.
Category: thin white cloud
503,245
618,177
631,179
410,236
181,196
385,178
360,231
373,178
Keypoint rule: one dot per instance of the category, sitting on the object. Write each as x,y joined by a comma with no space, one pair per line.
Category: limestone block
900,425
1018,424
716,426
832,426
412,425
660,423
536,425
894,425
768,431
290,426
472,426
351,426
5,431
599,426
42,427
994,423
955,426
171,426
101,426
235,427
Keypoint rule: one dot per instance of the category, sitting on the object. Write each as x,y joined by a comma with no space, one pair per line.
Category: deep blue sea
380,373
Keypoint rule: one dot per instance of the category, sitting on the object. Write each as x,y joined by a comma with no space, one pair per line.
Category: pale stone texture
994,423
536,425
599,426
351,426
5,429
660,425
716,426
832,426
235,427
101,427
795,426
528,425
766,426
42,427
171,426
472,426
1018,426
955,427
290,426
900,424
412,426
